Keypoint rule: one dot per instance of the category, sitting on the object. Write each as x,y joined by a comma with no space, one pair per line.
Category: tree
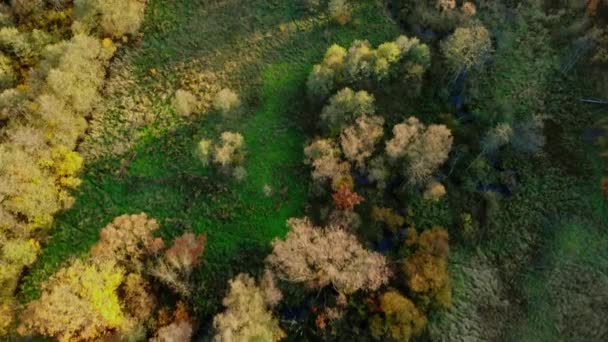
128,239
115,18
467,47
177,263
80,302
247,316
402,319
425,148
359,140
426,268
325,158
321,81
346,106
323,256
346,199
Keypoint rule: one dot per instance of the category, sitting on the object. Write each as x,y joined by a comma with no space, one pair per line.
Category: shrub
359,141
340,11
323,256
496,138
203,151
226,101
467,47
184,102
247,317
346,106
426,148
79,302
401,321
231,149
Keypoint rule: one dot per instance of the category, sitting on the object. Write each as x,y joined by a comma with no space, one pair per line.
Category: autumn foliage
346,199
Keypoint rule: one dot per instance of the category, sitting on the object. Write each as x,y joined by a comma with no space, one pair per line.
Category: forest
304,170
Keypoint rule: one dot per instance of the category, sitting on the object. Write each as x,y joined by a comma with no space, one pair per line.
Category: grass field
262,49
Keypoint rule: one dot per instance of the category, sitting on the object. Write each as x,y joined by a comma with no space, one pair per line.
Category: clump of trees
44,114
226,101
184,102
109,294
361,63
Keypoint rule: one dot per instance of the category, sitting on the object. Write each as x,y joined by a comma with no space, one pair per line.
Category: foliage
401,321
323,256
114,18
339,11
230,150
362,64
226,101
346,106
425,148
358,141
388,216
345,199
127,239
467,47
174,267
426,268
79,302
184,102
247,317
325,158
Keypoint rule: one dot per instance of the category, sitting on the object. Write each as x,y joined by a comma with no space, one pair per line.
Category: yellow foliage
79,302
402,318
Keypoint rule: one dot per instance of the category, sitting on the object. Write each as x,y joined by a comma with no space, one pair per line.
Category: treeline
53,59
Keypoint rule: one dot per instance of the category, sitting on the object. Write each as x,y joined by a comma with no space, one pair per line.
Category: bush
184,102
230,151
247,317
323,256
226,101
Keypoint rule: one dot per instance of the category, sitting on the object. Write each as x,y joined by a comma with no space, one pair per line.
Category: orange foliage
346,199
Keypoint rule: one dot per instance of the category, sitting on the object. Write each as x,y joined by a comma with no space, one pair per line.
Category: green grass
161,175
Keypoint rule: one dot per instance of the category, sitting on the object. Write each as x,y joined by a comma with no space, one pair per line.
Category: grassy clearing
263,49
